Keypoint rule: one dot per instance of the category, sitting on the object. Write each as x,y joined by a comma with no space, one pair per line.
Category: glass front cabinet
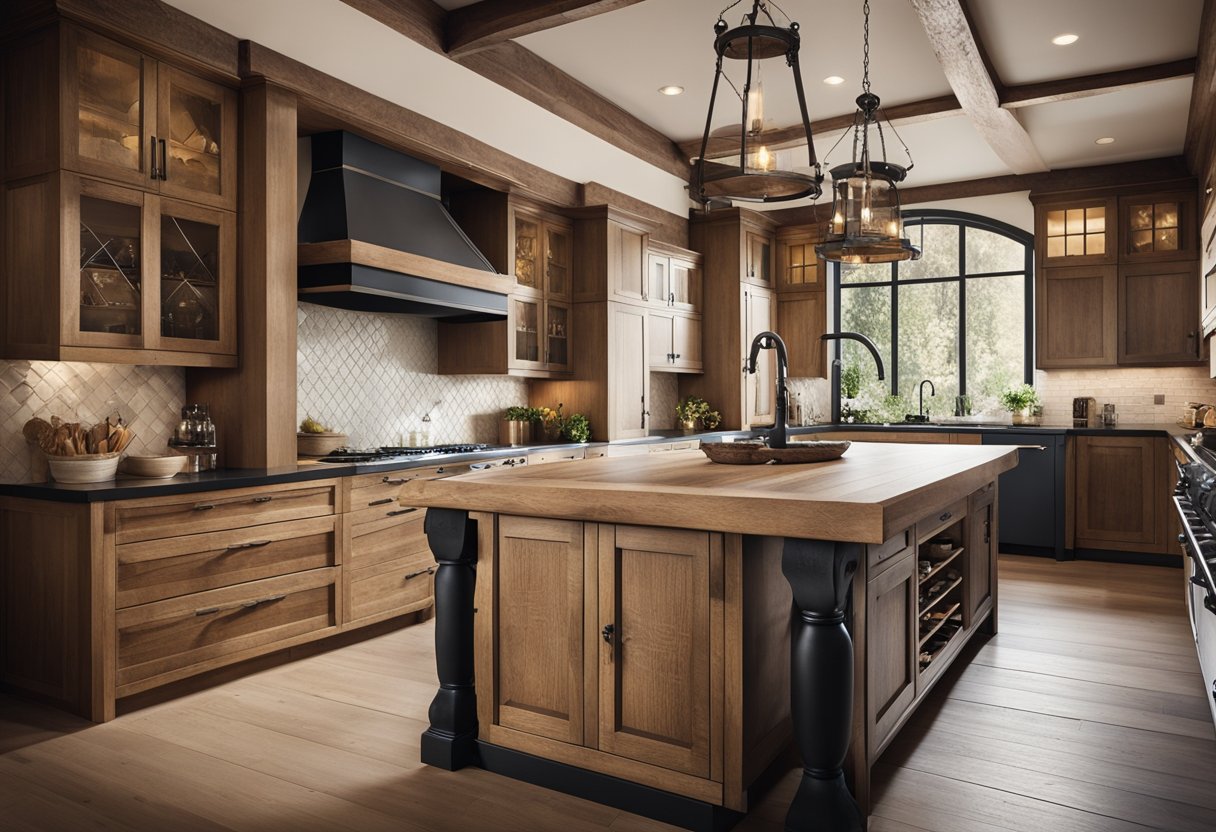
540,310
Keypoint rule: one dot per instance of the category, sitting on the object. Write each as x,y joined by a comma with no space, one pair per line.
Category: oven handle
1203,570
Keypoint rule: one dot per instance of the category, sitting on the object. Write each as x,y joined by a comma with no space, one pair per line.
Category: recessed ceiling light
1065,39
671,89
833,80
1105,140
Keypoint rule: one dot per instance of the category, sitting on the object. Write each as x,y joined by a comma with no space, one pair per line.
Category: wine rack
941,566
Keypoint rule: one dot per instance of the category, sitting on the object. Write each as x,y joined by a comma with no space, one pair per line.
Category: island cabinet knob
609,633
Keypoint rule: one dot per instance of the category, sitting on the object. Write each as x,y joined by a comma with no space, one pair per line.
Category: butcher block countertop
872,492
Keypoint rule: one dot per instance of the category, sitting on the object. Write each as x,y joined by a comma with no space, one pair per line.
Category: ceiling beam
1200,144
419,20
910,113
962,60
482,25
1066,89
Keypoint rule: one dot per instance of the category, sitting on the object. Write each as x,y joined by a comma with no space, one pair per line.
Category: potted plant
693,409
551,421
577,428
1018,401
516,427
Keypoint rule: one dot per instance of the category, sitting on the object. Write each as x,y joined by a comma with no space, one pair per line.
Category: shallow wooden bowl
754,453
319,444
83,468
154,467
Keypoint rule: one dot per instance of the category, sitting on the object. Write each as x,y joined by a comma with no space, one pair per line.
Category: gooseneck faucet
779,434
865,342
932,392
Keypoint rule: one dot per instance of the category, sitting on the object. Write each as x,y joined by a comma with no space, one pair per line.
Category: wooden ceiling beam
419,20
482,25
1066,89
1200,144
962,60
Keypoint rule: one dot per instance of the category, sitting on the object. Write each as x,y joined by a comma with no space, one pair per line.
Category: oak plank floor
1085,714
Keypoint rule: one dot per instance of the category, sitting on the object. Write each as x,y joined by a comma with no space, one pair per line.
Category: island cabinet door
981,550
657,645
535,623
891,636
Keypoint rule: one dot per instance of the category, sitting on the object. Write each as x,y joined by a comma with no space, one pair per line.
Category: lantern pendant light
740,166
866,225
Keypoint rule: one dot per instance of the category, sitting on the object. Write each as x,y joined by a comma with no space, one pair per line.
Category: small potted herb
693,409
577,428
1018,401
516,427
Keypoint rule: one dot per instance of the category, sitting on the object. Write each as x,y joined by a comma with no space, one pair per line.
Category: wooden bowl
83,468
735,453
154,467
755,453
319,444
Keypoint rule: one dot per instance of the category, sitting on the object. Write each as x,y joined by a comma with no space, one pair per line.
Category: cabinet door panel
660,279
758,387
654,686
197,274
759,264
686,342
629,379
1077,317
801,322
627,274
981,537
1117,492
557,262
891,633
685,291
662,340
1159,314
538,607
196,139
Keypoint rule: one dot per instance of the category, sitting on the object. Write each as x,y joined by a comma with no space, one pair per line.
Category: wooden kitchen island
649,632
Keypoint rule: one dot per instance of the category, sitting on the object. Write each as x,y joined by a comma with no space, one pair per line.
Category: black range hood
375,237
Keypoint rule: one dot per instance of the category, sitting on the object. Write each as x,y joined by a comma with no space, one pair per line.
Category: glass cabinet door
196,139
685,285
109,282
660,280
526,323
527,252
557,329
557,262
113,111
196,271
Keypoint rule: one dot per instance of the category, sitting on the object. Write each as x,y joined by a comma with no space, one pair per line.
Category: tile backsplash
1129,389
373,376
149,399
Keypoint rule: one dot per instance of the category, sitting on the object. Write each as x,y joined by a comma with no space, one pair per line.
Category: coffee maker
1083,407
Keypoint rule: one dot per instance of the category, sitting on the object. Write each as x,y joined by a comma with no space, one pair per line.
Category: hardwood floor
1085,714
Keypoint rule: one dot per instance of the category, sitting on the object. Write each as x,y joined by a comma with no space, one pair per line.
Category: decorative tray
755,453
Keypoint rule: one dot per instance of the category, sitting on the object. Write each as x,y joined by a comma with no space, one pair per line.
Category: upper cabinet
797,266
1117,278
675,278
81,102
758,263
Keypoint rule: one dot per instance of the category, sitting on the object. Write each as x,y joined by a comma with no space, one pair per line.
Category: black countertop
127,488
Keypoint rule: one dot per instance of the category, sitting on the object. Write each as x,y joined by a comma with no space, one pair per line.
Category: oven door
1205,630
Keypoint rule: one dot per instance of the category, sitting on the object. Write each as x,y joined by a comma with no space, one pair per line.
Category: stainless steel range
1195,499
395,454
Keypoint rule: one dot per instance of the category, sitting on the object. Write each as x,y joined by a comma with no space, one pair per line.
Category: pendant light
866,225
738,165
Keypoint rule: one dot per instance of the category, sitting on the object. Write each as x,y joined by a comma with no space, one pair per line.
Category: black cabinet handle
153,167
396,481
609,633
383,502
164,161
262,499
401,511
945,516
429,571
253,544
203,507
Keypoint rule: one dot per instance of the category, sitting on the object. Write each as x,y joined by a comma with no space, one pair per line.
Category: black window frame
963,220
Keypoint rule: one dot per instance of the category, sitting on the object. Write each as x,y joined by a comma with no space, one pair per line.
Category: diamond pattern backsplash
149,399
372,376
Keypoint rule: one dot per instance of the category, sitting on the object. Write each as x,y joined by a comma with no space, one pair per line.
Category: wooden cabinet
891,634
135,278
108,111
801,323
981,551
628,368
1118,278
675,278
759,387
758,265
675,341
797,264
1159,311
1121,494
1077,312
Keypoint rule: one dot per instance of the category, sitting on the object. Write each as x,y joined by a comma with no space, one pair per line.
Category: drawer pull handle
400,511
262,499
945,516
242,605
396,481
207,611
203,507
429,571
383,502
253,544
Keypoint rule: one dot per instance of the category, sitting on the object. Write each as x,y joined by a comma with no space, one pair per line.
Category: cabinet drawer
153,570
544,457
385,514
388,539
182,636
881,556
392,588
152,519
938,520
372,489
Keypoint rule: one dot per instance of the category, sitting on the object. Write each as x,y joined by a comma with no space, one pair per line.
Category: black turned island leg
821,682
450,742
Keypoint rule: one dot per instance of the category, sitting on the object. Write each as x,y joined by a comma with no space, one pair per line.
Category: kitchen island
621,628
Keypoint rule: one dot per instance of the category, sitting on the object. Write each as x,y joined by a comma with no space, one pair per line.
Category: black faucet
920,411
779,434
865,342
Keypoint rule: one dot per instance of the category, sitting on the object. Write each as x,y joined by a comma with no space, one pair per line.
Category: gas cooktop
389,453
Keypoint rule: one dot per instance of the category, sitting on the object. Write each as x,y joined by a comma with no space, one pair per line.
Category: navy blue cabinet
1032,494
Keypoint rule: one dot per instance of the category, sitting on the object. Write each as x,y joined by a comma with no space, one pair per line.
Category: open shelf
933,602
942,564
938,625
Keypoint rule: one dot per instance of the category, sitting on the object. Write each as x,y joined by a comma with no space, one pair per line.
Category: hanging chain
865,47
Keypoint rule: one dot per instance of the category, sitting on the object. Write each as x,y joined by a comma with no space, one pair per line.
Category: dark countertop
127,488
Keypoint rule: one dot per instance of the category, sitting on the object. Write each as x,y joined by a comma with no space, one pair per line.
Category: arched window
961,316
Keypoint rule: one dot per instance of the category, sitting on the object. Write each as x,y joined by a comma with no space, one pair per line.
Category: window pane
996,338
867,310
1055,246
1055,223
869,273
989,252
1076,221
928,342
1095,219
939,257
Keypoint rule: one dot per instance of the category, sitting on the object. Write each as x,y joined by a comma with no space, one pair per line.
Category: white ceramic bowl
84,468
154,467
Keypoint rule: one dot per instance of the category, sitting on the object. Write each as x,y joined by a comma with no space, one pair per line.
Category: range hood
375,237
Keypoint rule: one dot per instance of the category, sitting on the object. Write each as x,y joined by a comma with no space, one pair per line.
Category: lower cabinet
892,648
1121,495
